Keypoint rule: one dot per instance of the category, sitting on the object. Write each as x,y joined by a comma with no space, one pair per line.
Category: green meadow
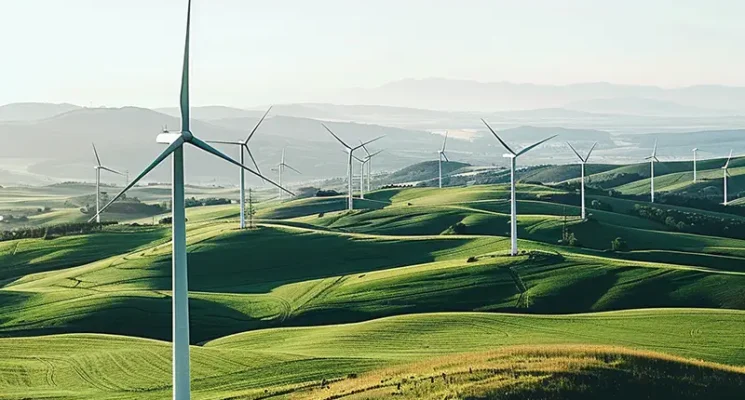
411,295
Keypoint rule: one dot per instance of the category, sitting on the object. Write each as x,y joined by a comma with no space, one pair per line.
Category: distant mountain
531,134
207,113
33,111
463,95
423,171
640,107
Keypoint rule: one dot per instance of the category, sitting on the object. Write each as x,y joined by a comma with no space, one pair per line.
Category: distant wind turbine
725,170
180,295
98,167
349,151
694,164
243,146
652,159
582,162
368,160
512,155
280,171
441,155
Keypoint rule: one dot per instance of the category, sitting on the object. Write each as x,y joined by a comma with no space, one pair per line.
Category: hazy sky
246,52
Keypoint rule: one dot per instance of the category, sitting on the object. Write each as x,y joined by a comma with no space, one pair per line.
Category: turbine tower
365,161
652,159
243,146
725,170
349,151
440,156
280,170
180,295
512,155
582,162
98,167
694,164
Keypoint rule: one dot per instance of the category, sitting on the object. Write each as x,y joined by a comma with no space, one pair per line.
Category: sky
247,53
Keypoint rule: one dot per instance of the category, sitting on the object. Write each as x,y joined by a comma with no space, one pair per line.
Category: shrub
327,193
618,244
471,259
599,205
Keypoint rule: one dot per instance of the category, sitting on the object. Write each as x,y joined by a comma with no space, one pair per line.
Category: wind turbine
694,164
582,162
726,174
440,155
243,145
280,169
180,295
365,161
368,159
349,151
652,159
98,167
512,155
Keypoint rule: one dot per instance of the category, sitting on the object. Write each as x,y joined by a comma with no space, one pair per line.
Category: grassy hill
288,362
411,276
424,171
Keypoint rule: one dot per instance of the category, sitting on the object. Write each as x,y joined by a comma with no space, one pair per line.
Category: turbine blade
446,157
253,160
293,169
654,150
531,147
173,146
209,149
445,141
98,160
498,138
111,170
336,137
375,154
258,123
365,148
184,98
357,158
368,142
590,152
575,152
223,142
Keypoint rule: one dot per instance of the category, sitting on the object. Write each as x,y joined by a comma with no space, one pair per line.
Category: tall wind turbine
98,167
280,170
441,155
512,155
582,162
175,149
694,164
349,151
726,174
652,159
243,146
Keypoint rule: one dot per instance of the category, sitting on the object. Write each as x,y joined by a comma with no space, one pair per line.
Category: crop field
411,295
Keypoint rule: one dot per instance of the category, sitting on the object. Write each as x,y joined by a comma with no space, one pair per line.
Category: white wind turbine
582,162
280,170
98,167
368,160
176,142
726,174
243,146
652,159
694,164
349,151
441,155
512,155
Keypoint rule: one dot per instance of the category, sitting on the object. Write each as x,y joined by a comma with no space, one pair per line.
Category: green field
413,276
